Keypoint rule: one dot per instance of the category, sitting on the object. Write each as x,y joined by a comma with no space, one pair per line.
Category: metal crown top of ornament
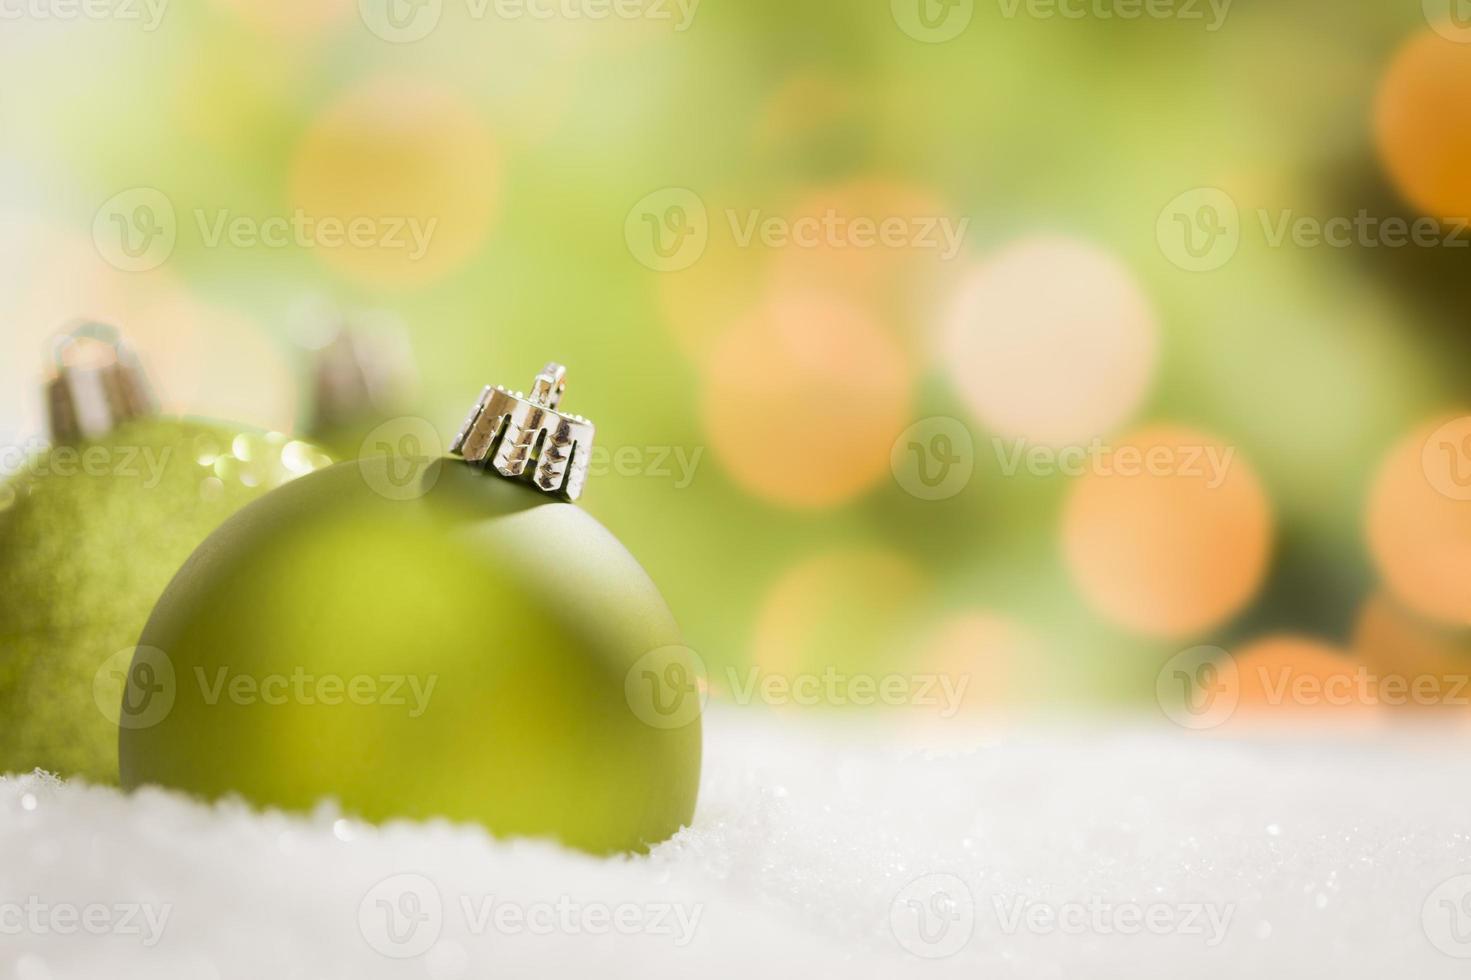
98,384
510,431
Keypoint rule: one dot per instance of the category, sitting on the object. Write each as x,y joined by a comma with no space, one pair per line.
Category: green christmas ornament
430,638
92,529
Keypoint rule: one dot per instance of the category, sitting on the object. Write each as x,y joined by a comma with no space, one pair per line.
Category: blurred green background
584,183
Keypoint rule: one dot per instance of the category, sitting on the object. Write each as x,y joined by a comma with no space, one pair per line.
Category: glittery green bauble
421,640
90,536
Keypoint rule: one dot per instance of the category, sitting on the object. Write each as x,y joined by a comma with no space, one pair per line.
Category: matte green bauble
90,535
418,640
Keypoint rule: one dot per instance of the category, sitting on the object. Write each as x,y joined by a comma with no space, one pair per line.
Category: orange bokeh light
1419,534
1170,547
848,610
231,370
700,303
1298,678
1422,121
413,163
896,277
990,652
1432,664
1050,340
804,398
883,245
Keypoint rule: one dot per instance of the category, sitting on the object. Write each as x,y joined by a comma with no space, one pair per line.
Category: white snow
821,849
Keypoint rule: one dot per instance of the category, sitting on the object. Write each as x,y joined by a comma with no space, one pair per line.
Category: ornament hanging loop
89,396
549,386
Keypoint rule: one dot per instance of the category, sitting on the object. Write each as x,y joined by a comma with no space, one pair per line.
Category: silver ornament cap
526,437
98,384
364,371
